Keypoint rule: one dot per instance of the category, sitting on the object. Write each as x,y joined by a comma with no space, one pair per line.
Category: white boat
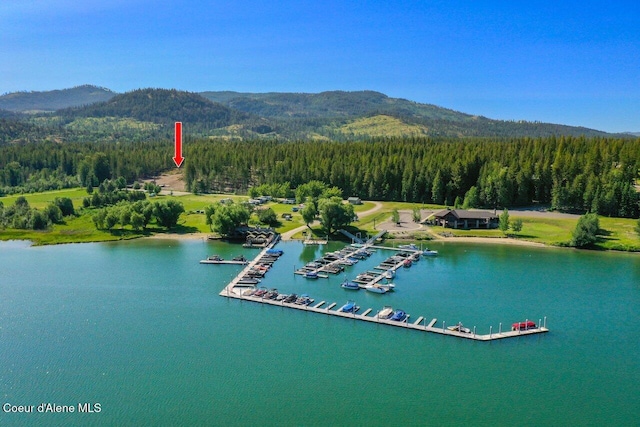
429,252
389,274
380,288
410,247
249,291
350,285
386,312
459,328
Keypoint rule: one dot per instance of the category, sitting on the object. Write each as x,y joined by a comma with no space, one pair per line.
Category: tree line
569,173
22,216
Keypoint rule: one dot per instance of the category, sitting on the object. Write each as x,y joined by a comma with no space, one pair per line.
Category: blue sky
574,63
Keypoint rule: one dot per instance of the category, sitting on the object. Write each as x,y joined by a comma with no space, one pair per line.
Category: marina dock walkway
420,324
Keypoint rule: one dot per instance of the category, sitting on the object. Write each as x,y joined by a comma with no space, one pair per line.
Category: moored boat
272,294
311,275
249,291
459,328
386,312
260,292
410,247
406,263
375,288
523,326
349,307
398,316
350,285
379,288
429,252
291,298
303,300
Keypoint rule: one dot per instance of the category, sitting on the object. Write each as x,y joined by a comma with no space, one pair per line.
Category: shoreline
483,240
494,240
177,236
506,241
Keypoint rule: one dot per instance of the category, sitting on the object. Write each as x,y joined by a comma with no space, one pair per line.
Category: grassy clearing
41,200
78,229
619,234
382,125
616,233
549,231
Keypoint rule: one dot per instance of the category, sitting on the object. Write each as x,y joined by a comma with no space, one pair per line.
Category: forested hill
348,115
160,106
334,104
55,99
147,114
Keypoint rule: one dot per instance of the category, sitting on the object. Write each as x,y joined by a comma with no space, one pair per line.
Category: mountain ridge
49,101
339,115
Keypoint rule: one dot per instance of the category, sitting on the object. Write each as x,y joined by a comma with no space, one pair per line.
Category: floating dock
223,261
420,324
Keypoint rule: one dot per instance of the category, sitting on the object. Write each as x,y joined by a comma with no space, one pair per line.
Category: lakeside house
460,218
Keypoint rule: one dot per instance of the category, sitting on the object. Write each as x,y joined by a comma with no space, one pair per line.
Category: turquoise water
139,328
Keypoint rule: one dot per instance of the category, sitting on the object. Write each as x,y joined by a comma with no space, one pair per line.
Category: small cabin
459,218
354,200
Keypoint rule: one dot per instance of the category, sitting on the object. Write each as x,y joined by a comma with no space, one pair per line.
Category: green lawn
78,229
616,233
619,234
41,200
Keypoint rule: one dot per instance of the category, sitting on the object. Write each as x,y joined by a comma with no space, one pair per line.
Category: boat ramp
238,287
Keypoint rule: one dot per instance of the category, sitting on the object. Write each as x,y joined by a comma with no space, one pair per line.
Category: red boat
523,326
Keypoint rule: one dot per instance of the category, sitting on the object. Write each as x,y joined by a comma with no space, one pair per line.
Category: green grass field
40,200
616,233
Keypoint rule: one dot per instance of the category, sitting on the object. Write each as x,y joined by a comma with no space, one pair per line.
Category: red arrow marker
177,156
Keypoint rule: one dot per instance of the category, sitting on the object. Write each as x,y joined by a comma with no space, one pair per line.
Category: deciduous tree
586,231
504,221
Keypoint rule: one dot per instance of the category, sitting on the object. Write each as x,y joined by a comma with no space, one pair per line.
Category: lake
138,328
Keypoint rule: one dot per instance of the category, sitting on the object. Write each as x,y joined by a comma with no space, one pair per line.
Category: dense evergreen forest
571,174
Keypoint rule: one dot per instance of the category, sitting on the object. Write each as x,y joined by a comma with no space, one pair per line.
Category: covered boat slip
420,324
